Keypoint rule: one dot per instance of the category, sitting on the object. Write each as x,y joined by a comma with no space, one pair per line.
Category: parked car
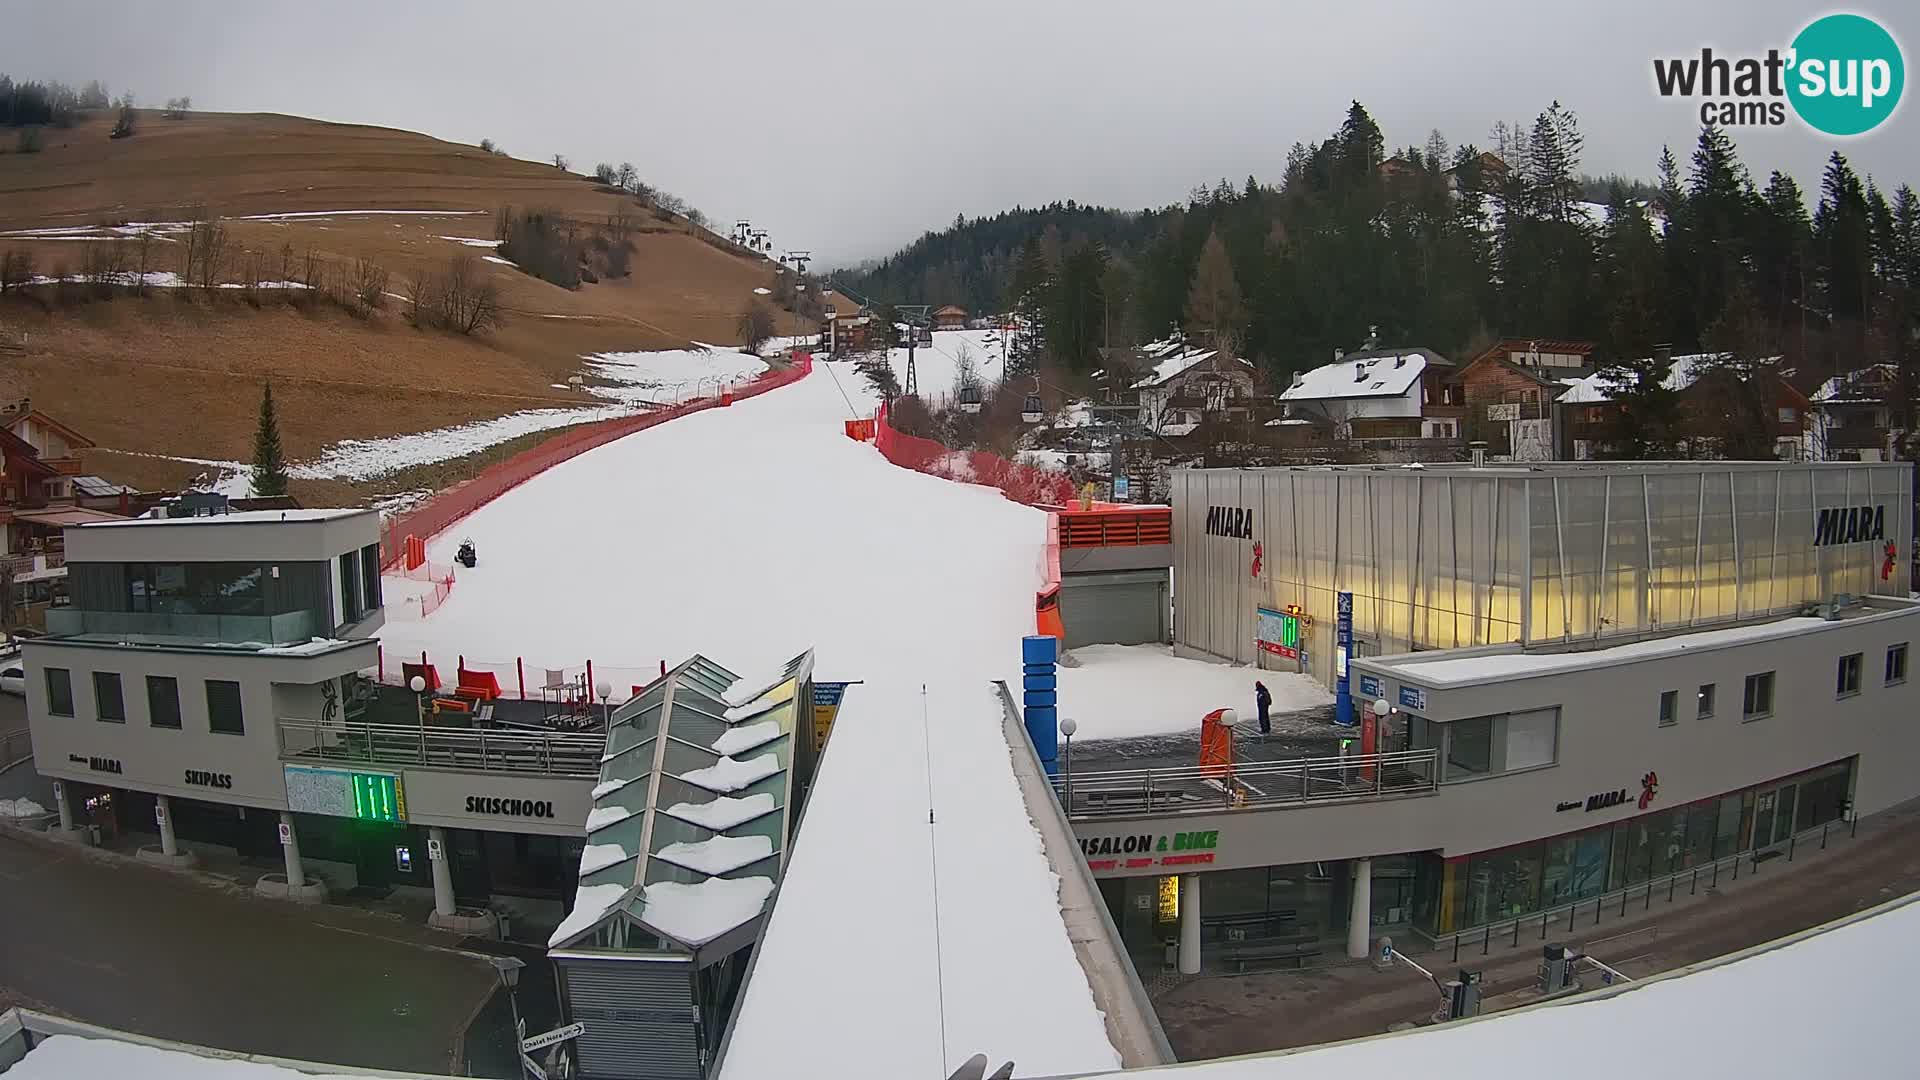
13,680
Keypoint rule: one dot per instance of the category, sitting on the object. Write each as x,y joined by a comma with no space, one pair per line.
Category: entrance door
1783,813
1763,815
471,882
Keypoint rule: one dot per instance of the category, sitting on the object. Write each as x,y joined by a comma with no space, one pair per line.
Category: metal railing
536,753
289,628
1640,895
1263,784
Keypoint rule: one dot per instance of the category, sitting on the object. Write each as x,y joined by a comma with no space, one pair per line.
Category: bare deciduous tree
625,175
756,326
369,283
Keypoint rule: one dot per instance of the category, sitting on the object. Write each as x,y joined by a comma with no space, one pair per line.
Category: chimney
1479,450
1663,354
1299,380
1399,361
1339,355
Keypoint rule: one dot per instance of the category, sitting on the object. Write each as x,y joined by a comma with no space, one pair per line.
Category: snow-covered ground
751,533
1123,691
937,367
669,375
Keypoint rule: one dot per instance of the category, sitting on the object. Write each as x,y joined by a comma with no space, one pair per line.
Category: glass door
1783,813
1763,814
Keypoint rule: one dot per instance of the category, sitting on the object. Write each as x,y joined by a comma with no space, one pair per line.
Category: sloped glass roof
687,835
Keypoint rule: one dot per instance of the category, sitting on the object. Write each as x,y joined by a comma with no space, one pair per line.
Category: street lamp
604,691
1067,727
1229,719
418,684
508,968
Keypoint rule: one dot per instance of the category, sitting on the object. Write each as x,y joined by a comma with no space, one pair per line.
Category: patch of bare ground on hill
179,372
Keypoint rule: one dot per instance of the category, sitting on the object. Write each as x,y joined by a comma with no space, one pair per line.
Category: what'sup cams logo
1842,75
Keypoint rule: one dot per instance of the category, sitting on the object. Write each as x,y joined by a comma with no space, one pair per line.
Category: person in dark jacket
1262,704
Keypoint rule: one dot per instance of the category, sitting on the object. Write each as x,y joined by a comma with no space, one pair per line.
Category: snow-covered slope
937,367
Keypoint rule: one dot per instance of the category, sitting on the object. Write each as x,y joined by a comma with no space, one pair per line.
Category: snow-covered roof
703,865
1387,374
1602,385
238,517
1174,431
1854,387
1174,358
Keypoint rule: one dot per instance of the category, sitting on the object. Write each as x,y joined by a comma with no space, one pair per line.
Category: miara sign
1849,525
1230,521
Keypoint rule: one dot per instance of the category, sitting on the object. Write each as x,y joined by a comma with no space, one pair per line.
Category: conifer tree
269,464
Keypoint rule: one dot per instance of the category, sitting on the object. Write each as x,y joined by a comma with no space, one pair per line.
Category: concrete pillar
296,870
163,815
442,871
1189,924
65,805
1360,909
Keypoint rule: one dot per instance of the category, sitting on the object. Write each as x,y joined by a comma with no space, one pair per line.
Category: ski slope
937,368
750,533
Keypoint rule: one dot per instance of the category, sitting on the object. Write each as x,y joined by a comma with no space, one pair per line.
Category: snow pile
746,737
1124,691
20,808
608,787
670,374
724,812
731,774
696,914
305,648
602,816
590,902
598,857
473,241
753,708
720,854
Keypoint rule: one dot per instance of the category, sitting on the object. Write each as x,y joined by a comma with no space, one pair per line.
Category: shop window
1758,700
1504,884
1669,708
108,705
1846,682
1896,664
223,708
1470,747
59,691
1703,701
1532,739
163,701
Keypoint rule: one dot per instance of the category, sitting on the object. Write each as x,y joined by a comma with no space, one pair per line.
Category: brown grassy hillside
178,372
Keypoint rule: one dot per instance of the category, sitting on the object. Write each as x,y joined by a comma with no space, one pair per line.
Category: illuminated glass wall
1444,557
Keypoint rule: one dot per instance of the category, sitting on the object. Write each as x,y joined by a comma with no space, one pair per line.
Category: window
1758,701
107,702
1531,738
350,588
1847,679
1470,747
59,691
223,708
370,575
1788,414
1704,701
1669,708
1896,664
163,701
196,588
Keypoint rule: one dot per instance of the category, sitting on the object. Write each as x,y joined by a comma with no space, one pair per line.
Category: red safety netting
1022,483
447,508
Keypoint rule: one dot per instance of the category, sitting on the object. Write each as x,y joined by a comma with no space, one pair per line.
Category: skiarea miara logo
1842,75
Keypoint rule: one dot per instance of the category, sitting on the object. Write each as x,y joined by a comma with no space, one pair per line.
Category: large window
59,691
163,701
350,608
108,704
1758,701
214,588
1669,708
1532,739
1846,680
1896,664
370,575
223,708
1470,747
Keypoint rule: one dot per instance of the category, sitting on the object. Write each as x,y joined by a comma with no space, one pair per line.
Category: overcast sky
849,128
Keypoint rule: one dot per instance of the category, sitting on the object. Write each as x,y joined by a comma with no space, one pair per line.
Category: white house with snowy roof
1852,416
1589,404
1395,385
1186,382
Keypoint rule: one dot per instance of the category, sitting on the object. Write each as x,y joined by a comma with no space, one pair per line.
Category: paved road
102,939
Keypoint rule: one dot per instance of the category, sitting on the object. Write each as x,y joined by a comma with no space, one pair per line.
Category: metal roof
687,837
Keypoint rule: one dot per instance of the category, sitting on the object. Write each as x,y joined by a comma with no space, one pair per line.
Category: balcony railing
290,628
530,753
1264,784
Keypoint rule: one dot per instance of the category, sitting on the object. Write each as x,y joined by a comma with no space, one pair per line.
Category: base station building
1567,679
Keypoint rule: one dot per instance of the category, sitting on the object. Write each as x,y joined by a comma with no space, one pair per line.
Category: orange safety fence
1028,484
447,508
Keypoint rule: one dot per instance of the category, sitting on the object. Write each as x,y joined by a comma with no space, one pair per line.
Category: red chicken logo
1257,557
1886,565
1649,787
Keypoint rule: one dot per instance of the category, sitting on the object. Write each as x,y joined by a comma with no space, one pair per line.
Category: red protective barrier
447,508
1022,483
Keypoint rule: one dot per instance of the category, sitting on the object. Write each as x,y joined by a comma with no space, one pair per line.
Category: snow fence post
520,673
1038,654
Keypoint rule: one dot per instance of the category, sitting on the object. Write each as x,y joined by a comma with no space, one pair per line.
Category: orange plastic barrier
860,430
1216,746
447,508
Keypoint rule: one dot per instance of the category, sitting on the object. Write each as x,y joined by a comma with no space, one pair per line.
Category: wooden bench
1258,952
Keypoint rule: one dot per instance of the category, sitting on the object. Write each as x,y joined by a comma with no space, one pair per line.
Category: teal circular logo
1847,74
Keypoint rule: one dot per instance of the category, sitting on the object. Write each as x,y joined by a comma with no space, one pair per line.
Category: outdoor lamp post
1229,719
1067,727
604,691
508,968
418,684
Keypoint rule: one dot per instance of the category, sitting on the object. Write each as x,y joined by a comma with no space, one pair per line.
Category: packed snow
1125,691
693,518
724,812
732,774
1708,1021
720,854
696,914
590,902
746,737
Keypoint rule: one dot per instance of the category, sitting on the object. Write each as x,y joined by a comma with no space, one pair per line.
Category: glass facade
1446,557
1465,892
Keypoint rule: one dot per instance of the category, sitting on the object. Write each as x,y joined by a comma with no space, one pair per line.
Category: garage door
1114,609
